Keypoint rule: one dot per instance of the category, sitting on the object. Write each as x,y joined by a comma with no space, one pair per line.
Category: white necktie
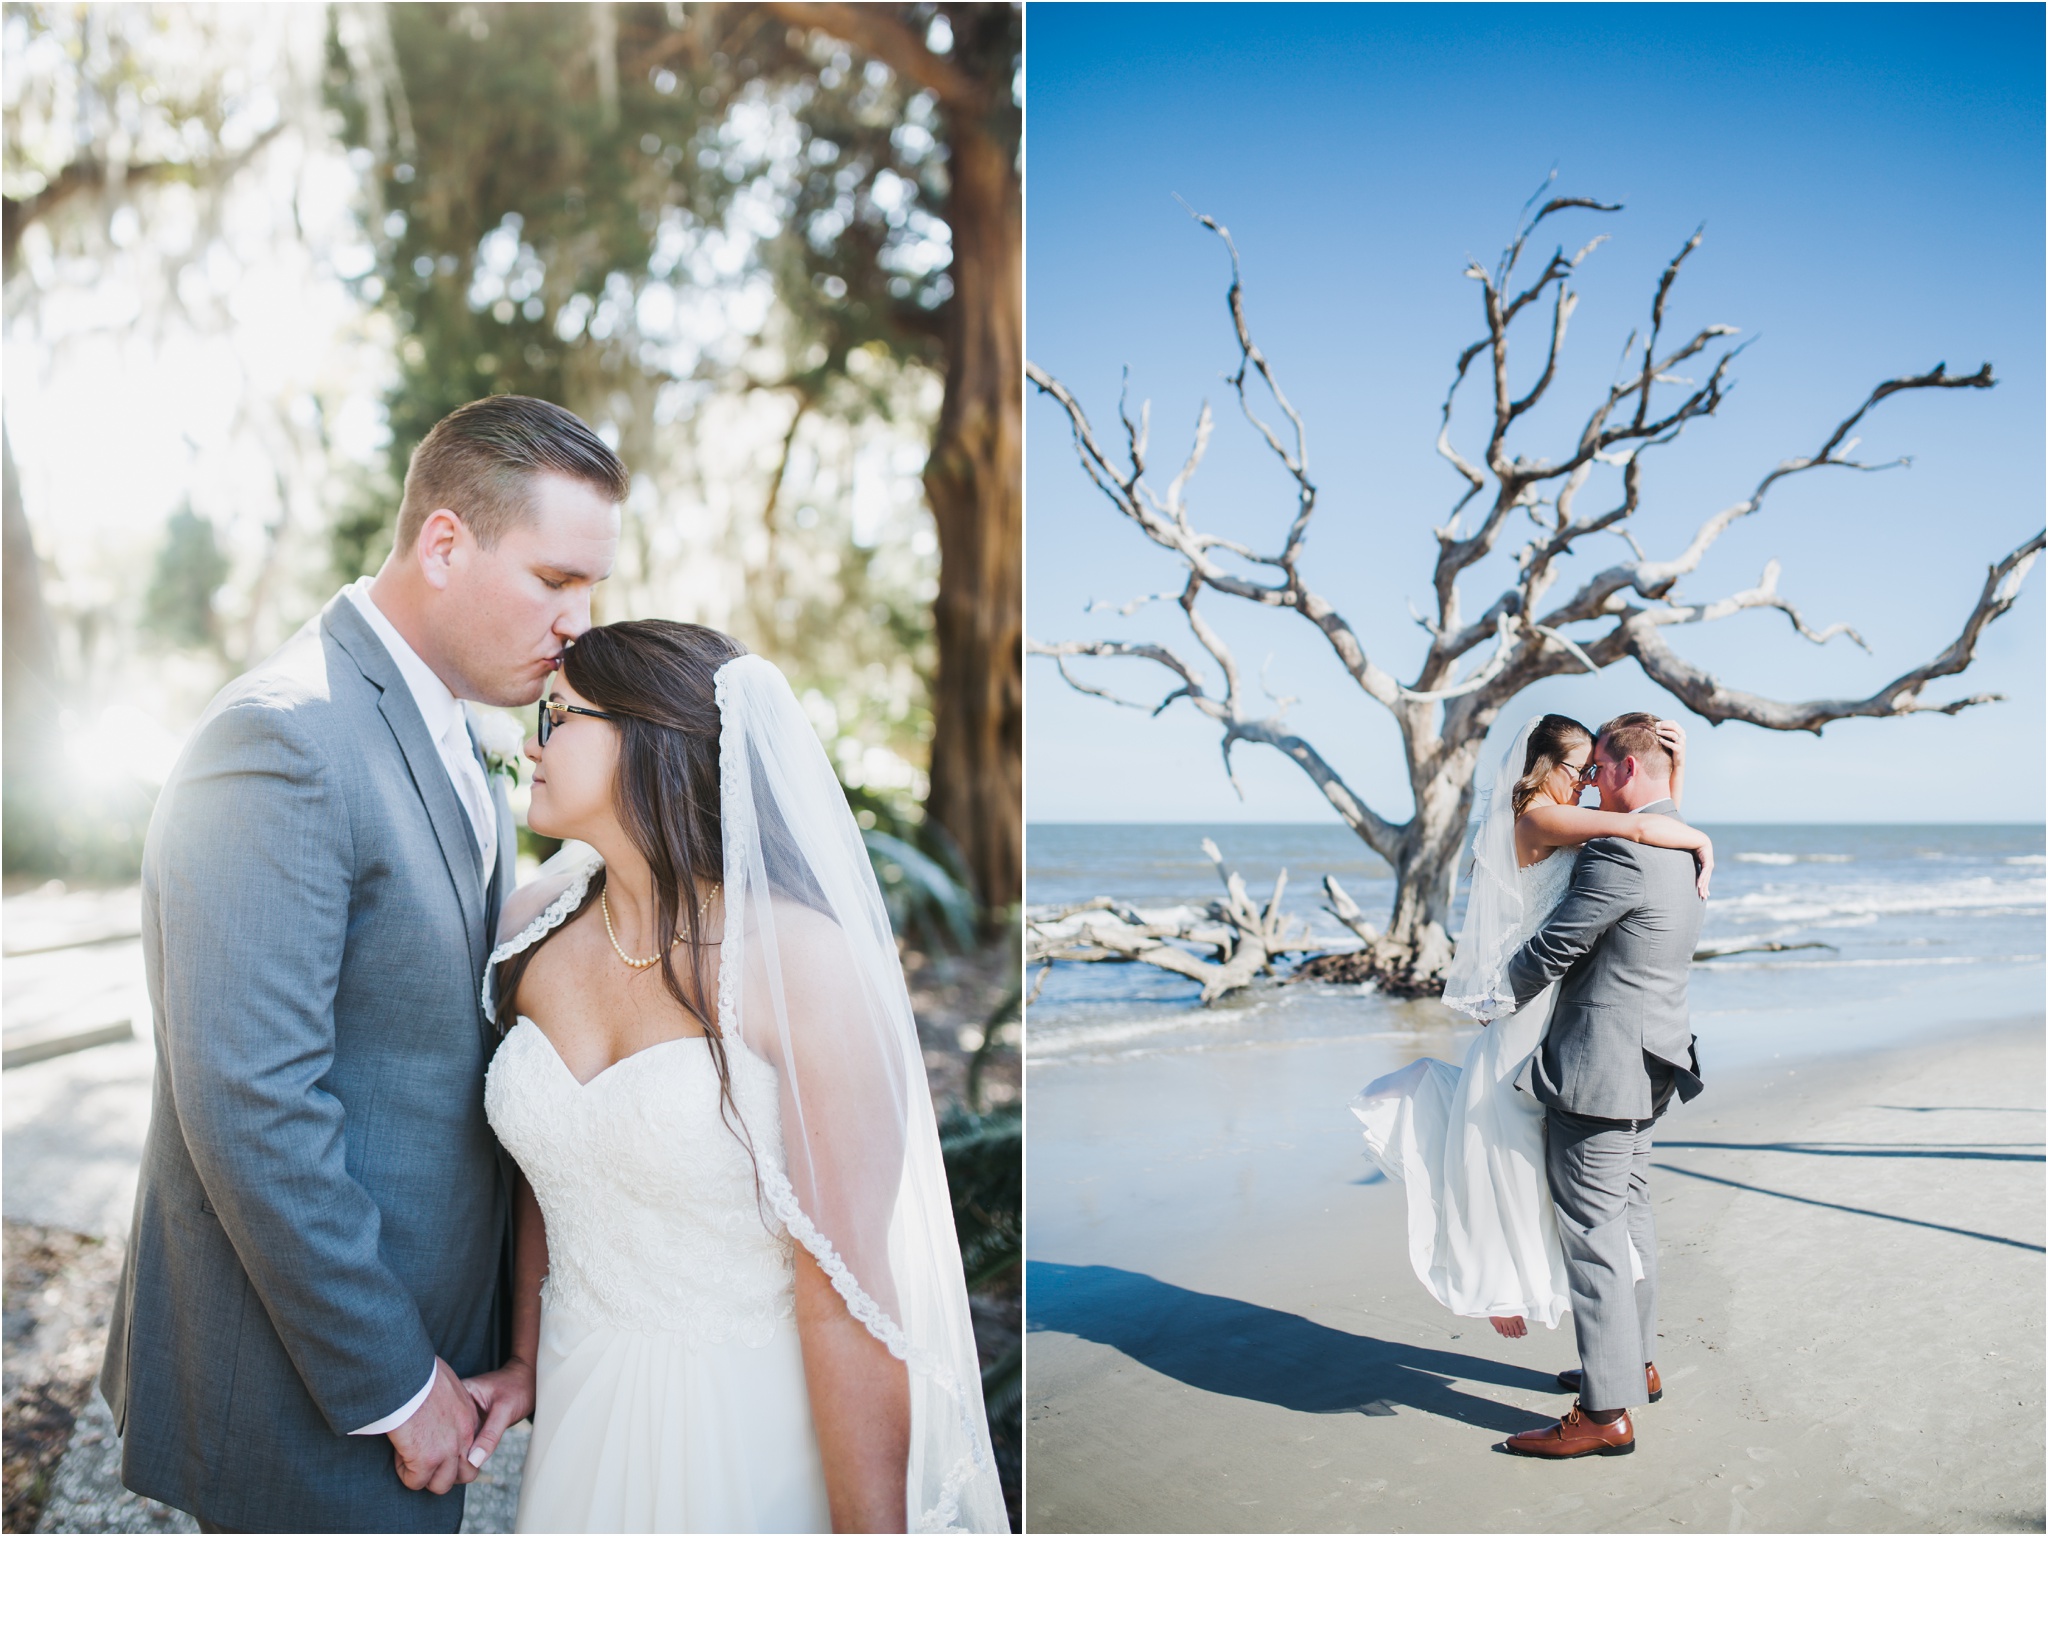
460,756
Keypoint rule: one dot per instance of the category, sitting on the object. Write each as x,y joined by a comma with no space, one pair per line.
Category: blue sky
1870,180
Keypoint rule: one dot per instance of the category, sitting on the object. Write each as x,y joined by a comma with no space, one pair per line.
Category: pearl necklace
604,904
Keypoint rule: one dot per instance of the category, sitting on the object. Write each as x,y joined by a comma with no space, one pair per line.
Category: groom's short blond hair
479,462
1635,734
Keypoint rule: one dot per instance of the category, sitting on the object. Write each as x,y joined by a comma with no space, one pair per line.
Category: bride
738,1303
1465,1142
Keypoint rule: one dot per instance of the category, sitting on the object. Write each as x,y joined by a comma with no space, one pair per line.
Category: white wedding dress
671,1387
671,1394
1468,1147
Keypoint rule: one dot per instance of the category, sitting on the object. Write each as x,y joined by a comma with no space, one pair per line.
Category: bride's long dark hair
1550,747
658,679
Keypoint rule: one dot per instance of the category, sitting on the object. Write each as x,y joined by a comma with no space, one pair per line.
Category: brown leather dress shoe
1570,1380
1575,1435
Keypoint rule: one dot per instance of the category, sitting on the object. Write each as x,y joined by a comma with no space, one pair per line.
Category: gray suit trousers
1599,1173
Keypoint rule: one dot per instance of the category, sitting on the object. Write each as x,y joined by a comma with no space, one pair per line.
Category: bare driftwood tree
1529,631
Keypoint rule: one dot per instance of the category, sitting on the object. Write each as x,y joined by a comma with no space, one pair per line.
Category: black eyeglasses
553,713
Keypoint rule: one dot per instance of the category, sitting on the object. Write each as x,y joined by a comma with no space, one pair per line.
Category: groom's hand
504,1397
434,1444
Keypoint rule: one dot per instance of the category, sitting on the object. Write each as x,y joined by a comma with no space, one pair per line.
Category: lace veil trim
546,921
782,1199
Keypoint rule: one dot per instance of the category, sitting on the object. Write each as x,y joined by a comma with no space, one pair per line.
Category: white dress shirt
448,727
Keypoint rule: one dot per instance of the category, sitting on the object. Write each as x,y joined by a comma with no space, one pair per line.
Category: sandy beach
1225,1334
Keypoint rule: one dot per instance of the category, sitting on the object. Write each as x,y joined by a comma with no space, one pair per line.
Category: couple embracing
1527,1168
643,1150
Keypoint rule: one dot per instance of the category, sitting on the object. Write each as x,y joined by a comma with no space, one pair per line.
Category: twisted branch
1901,697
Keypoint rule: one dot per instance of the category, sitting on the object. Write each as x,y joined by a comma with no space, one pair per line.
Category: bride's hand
503,1398
1705,855
1671,735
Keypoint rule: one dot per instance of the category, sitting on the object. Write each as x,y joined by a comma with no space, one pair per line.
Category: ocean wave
1784,859
1052,1038
1855,964
2031,860
1978,894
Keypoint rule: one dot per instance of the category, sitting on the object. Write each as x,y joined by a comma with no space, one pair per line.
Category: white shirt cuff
391,1422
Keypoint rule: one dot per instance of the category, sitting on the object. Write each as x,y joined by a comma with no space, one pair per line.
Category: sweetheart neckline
585,1084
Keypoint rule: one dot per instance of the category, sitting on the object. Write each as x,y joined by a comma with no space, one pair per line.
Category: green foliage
991,1040
527,217
984,1155
752,210
78,835
359,537
922,877
985,1169
1002,1387
925,903
190,568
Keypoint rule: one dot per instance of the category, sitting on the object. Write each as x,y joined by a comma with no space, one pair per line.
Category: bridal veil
810,981
1476,983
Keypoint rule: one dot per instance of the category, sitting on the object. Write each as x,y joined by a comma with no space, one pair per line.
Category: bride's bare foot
1513,1328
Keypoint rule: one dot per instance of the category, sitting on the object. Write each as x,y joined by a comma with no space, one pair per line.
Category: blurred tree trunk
974,476
974,482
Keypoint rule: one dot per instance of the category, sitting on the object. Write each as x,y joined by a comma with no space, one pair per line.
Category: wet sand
1225,1334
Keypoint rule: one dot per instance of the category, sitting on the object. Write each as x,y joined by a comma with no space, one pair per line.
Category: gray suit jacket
1620,947
322,1207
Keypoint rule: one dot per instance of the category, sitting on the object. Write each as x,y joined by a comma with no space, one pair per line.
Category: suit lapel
429,775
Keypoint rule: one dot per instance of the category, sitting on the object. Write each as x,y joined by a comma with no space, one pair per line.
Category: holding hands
432,1446
503,1398
458,1428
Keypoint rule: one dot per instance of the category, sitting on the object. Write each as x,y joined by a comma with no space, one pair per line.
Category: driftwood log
1223,945
1246,940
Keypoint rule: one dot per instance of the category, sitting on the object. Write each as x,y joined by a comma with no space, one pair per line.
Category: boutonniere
502,743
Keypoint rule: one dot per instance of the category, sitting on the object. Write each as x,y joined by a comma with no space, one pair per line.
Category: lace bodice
652,1216
1544,885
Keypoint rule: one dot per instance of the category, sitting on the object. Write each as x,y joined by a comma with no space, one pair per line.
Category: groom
1619,1043
321,1218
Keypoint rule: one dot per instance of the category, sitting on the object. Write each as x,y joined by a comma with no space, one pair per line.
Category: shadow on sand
1851,1209
1239,1350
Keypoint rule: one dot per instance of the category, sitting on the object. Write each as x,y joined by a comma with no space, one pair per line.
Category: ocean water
1918,927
